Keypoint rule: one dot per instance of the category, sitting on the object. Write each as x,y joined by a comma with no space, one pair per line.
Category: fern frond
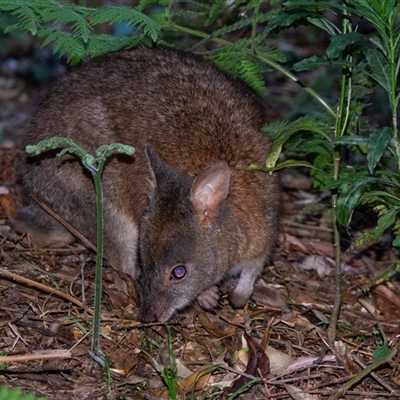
216,10
271,54
283,129
240,64
241,23
65,42
160,16
275,128
102,44
201,6
165,3
113,14
69,13
180,14
249,6
145,3
28,14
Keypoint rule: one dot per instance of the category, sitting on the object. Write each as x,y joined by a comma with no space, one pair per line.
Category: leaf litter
45,318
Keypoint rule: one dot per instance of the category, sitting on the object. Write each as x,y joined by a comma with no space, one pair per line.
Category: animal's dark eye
178,273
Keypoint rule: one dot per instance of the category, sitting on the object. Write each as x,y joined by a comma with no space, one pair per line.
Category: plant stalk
342,119
99,263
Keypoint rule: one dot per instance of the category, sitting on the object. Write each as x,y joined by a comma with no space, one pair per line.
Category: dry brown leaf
344,359
277,359
198,380
324,248
304,362
182,371
212,328
388,302
298,394
321,264
7,206
293,243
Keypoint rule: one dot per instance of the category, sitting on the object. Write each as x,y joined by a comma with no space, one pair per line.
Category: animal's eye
178,273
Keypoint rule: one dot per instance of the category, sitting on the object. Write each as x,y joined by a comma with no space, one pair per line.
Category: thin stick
45,288
65,224
30,357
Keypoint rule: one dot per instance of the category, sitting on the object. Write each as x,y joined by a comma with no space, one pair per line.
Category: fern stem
294,78
263,59
99,261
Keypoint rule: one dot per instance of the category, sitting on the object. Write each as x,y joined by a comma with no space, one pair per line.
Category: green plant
16,394
364,61
95,165
167,369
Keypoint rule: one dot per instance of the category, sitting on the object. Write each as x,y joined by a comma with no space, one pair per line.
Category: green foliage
49,18
16,394
167,369
380,353
366,61
42,18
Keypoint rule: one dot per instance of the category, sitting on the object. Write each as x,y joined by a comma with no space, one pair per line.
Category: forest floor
46,298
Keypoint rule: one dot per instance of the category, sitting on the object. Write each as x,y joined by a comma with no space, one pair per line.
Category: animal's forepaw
209,299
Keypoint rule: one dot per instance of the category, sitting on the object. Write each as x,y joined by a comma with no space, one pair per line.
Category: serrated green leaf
348,199
377,145
293,11
287,130
382,195
380,68
339,44
369,11
311,63
324,24
384,223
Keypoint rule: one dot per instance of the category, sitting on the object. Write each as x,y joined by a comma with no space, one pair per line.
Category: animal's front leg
250,271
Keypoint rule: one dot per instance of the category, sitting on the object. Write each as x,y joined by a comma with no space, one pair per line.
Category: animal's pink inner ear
209,190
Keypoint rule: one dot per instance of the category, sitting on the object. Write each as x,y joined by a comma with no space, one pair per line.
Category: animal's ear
209,191
160,173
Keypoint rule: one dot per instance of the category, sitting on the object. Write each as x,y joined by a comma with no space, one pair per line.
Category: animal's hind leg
45,231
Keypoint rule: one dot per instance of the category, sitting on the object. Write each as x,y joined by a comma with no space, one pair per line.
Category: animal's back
188,110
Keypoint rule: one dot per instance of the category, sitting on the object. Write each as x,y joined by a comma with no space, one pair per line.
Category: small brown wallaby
179,216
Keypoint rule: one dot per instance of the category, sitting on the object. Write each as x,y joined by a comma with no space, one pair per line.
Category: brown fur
191,115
